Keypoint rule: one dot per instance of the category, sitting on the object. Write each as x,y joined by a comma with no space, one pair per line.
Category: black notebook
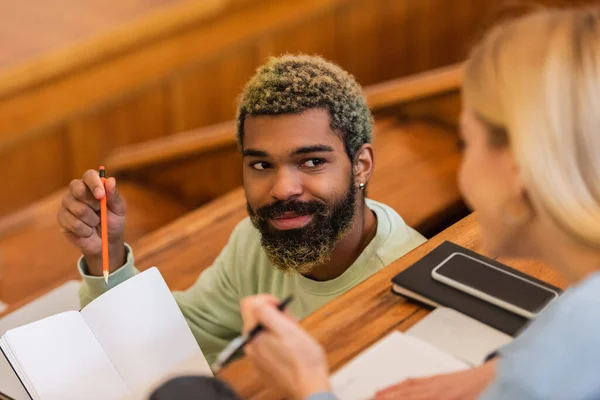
417,284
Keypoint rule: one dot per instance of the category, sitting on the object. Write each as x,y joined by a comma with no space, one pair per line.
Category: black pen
239,342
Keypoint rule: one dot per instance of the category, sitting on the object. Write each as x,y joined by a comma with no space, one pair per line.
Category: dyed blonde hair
535,82
291,84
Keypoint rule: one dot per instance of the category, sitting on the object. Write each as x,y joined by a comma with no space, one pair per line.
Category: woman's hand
468,384
284,354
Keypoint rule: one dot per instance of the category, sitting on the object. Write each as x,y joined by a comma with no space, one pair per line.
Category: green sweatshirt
211,305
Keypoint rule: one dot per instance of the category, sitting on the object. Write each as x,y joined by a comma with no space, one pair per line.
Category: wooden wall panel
316,37
93,135
207,94
189,69
359,39
196,180
33,168
31,28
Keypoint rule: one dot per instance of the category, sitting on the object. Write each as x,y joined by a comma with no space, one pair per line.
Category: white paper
10,384
144,333
61,299
389,361
459,335
63,360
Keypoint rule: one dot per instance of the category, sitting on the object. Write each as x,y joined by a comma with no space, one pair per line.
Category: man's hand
79,220
284,354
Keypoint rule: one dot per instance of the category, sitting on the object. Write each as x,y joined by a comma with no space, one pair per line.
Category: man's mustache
277,208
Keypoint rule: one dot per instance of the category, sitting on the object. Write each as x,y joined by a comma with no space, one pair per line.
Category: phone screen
496,282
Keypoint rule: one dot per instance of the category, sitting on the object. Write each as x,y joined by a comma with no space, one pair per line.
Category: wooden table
354,321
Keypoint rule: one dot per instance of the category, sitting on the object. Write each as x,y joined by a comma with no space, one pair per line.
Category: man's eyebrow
312,149
254,153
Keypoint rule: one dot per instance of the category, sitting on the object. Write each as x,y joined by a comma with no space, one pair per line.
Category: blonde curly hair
291,84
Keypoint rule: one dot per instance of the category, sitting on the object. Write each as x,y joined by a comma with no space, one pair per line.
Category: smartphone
494,285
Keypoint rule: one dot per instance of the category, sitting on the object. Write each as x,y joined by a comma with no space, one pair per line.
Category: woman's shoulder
558,354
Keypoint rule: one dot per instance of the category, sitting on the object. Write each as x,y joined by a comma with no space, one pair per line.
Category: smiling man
305,133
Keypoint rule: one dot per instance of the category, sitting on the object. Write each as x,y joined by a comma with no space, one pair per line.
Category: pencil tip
105,276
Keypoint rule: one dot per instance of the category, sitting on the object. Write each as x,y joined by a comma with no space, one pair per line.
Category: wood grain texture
414,97
82,100
207,94
169,149
406,90
357,319
92,135
49,42
202,164
34,255
149,64
197,180
33,168
200,52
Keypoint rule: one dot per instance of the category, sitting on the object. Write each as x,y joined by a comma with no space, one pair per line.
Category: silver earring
361,186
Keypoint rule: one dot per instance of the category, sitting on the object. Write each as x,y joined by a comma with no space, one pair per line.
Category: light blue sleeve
321,396
558,356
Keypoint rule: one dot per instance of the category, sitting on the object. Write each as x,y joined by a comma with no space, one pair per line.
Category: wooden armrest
177,146
203,140
415,87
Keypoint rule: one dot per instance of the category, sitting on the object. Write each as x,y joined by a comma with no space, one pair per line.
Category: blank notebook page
460,335
64,360
141,328
390,361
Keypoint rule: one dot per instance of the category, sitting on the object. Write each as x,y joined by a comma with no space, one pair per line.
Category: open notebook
122,345
444,341
63,298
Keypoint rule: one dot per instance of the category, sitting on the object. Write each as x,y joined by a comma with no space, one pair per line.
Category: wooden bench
34,254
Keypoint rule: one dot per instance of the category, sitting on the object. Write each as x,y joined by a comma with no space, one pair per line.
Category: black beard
304,248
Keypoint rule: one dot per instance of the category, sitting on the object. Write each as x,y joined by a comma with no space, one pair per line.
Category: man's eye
260,165
313,162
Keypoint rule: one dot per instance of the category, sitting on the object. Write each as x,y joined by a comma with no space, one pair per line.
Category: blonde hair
535,82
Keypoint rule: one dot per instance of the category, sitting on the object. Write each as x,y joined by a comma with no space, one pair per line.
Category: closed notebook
416,283
121,346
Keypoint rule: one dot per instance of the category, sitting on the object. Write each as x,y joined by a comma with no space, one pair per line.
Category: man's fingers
80,210
70,223
80,192
91,179
114,201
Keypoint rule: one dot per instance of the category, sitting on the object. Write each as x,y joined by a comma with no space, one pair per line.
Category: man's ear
364,163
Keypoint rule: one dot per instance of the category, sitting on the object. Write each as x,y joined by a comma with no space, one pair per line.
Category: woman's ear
517,208
512,172
364,163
